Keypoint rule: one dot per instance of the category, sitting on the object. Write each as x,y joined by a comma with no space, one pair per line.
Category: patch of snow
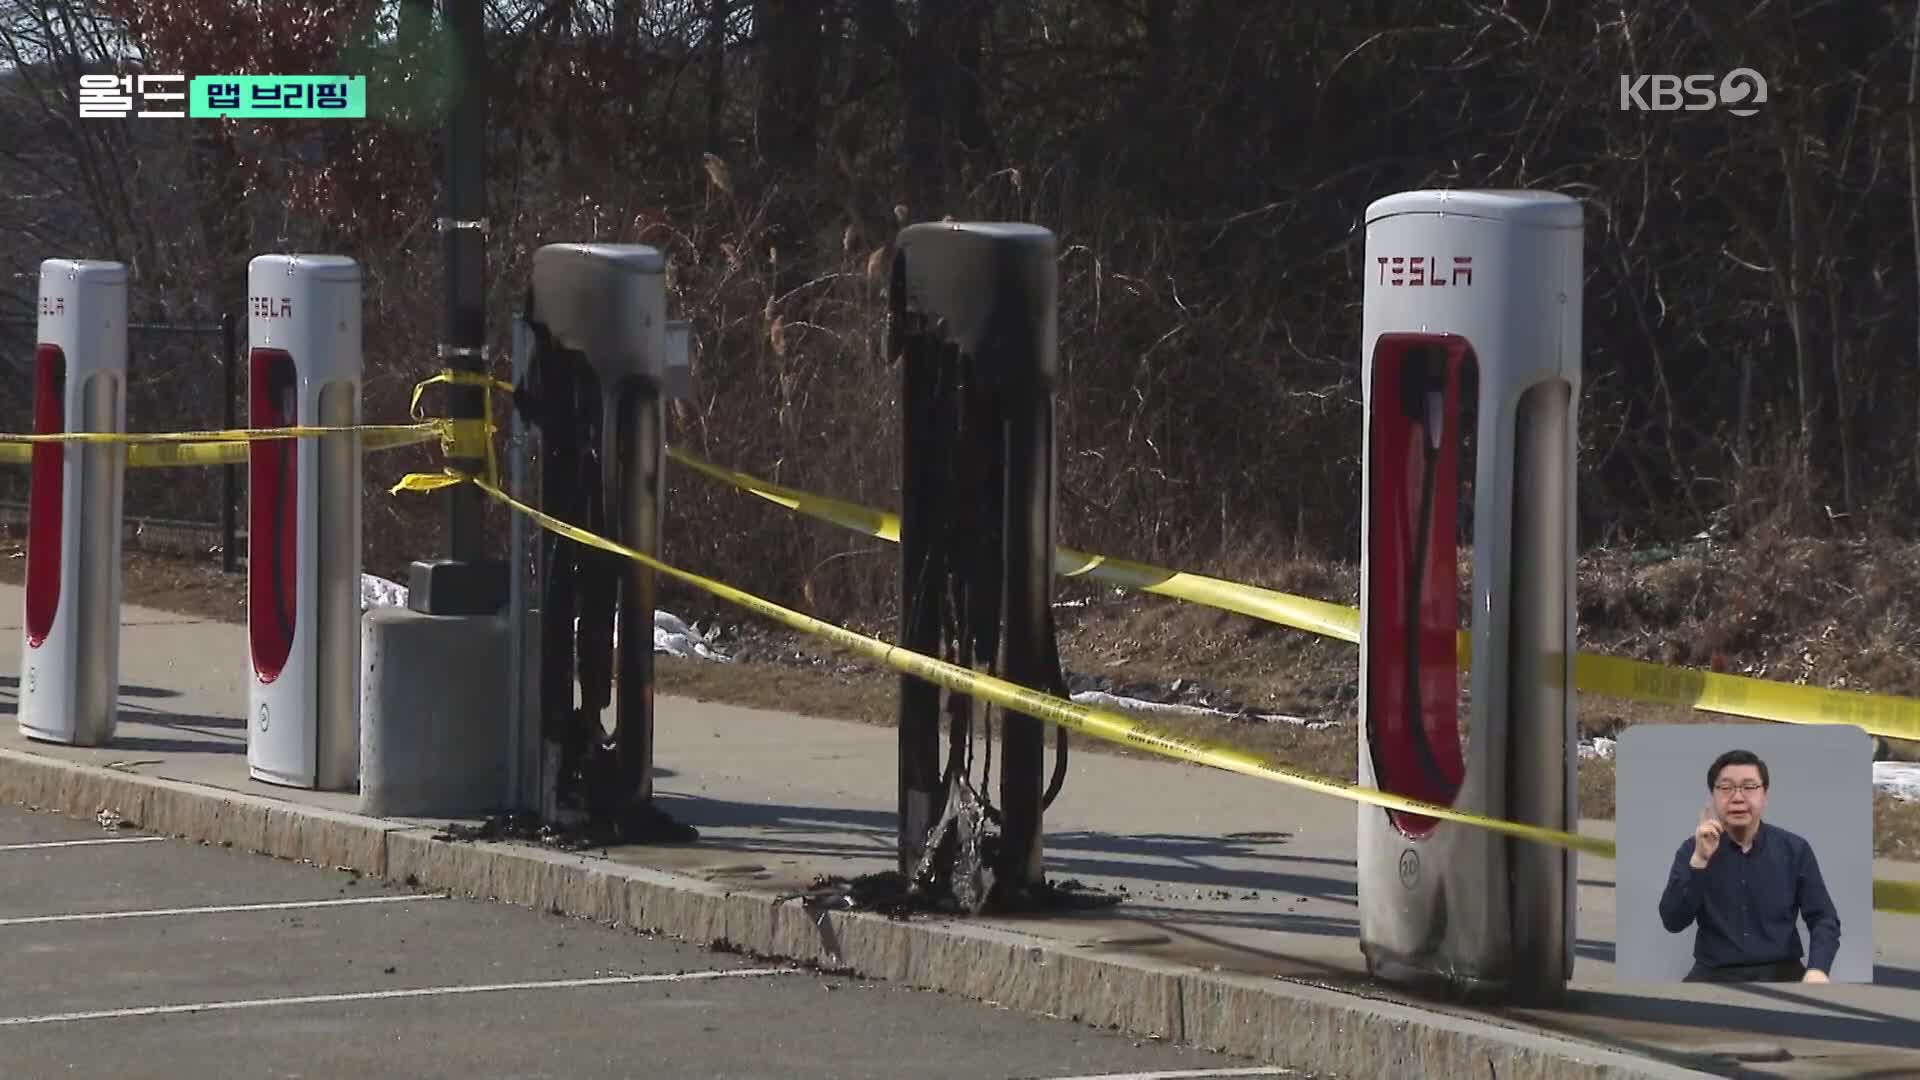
1900,779
1114,701
1597,747
671,635
376,591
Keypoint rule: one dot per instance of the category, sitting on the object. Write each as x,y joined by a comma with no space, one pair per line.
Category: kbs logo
1401,271
271,307
1738,91
53,305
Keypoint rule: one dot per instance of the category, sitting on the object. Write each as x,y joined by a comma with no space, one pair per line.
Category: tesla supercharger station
595,361
973,326
1471,369
70,667
303,522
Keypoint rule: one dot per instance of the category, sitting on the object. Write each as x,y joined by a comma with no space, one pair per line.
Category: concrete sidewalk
1238,931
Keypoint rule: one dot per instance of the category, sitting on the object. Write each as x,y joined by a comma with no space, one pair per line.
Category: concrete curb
1269,1020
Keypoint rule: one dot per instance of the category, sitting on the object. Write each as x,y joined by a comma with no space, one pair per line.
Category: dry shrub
1827,612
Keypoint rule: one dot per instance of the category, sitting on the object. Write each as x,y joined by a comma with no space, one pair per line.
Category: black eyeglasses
1728,787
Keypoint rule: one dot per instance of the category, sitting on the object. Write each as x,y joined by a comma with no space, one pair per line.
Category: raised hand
1706,838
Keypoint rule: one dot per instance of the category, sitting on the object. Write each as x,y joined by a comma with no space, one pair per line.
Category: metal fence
180,377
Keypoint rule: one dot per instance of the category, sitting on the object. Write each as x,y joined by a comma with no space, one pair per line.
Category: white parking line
1187,1073
384,995
219,909
38,844
1184,1074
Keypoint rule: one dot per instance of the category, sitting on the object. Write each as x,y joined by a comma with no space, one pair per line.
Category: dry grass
1596,789
160,580
1836,613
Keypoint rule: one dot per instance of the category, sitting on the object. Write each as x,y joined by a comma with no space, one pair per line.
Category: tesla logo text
1402,270
273,307
53,305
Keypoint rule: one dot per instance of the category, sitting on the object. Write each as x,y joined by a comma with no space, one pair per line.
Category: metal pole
229,474
465,582
464,224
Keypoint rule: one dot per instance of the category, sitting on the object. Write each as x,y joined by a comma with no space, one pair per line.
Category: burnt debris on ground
526,826
890,893
642,823
955,874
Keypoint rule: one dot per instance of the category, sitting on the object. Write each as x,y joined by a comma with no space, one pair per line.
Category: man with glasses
1745,882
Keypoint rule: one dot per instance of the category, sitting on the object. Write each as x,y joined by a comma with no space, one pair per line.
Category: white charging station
1471,342
70,663
303,522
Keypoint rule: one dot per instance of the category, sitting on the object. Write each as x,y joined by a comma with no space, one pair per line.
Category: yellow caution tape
1319,616
1741,695
459,378
1608,676
228,452
1902,897
470,440
204,448
460,439
427,429
426,482
1888,895
844,514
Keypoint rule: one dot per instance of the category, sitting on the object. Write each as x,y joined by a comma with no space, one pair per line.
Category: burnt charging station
596,360
303,522
1471,370
972,324
70,662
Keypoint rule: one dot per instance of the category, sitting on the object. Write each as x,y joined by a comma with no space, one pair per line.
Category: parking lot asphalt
131,955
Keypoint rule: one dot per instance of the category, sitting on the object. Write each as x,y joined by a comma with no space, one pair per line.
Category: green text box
341,97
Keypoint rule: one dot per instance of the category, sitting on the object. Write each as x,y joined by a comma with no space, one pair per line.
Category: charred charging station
70,667
303,522
972,312
595,362
1471,369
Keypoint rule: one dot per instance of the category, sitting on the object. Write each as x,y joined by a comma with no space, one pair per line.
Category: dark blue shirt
1746,902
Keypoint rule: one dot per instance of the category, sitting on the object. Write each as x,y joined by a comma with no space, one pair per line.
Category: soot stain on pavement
890,893
527,827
